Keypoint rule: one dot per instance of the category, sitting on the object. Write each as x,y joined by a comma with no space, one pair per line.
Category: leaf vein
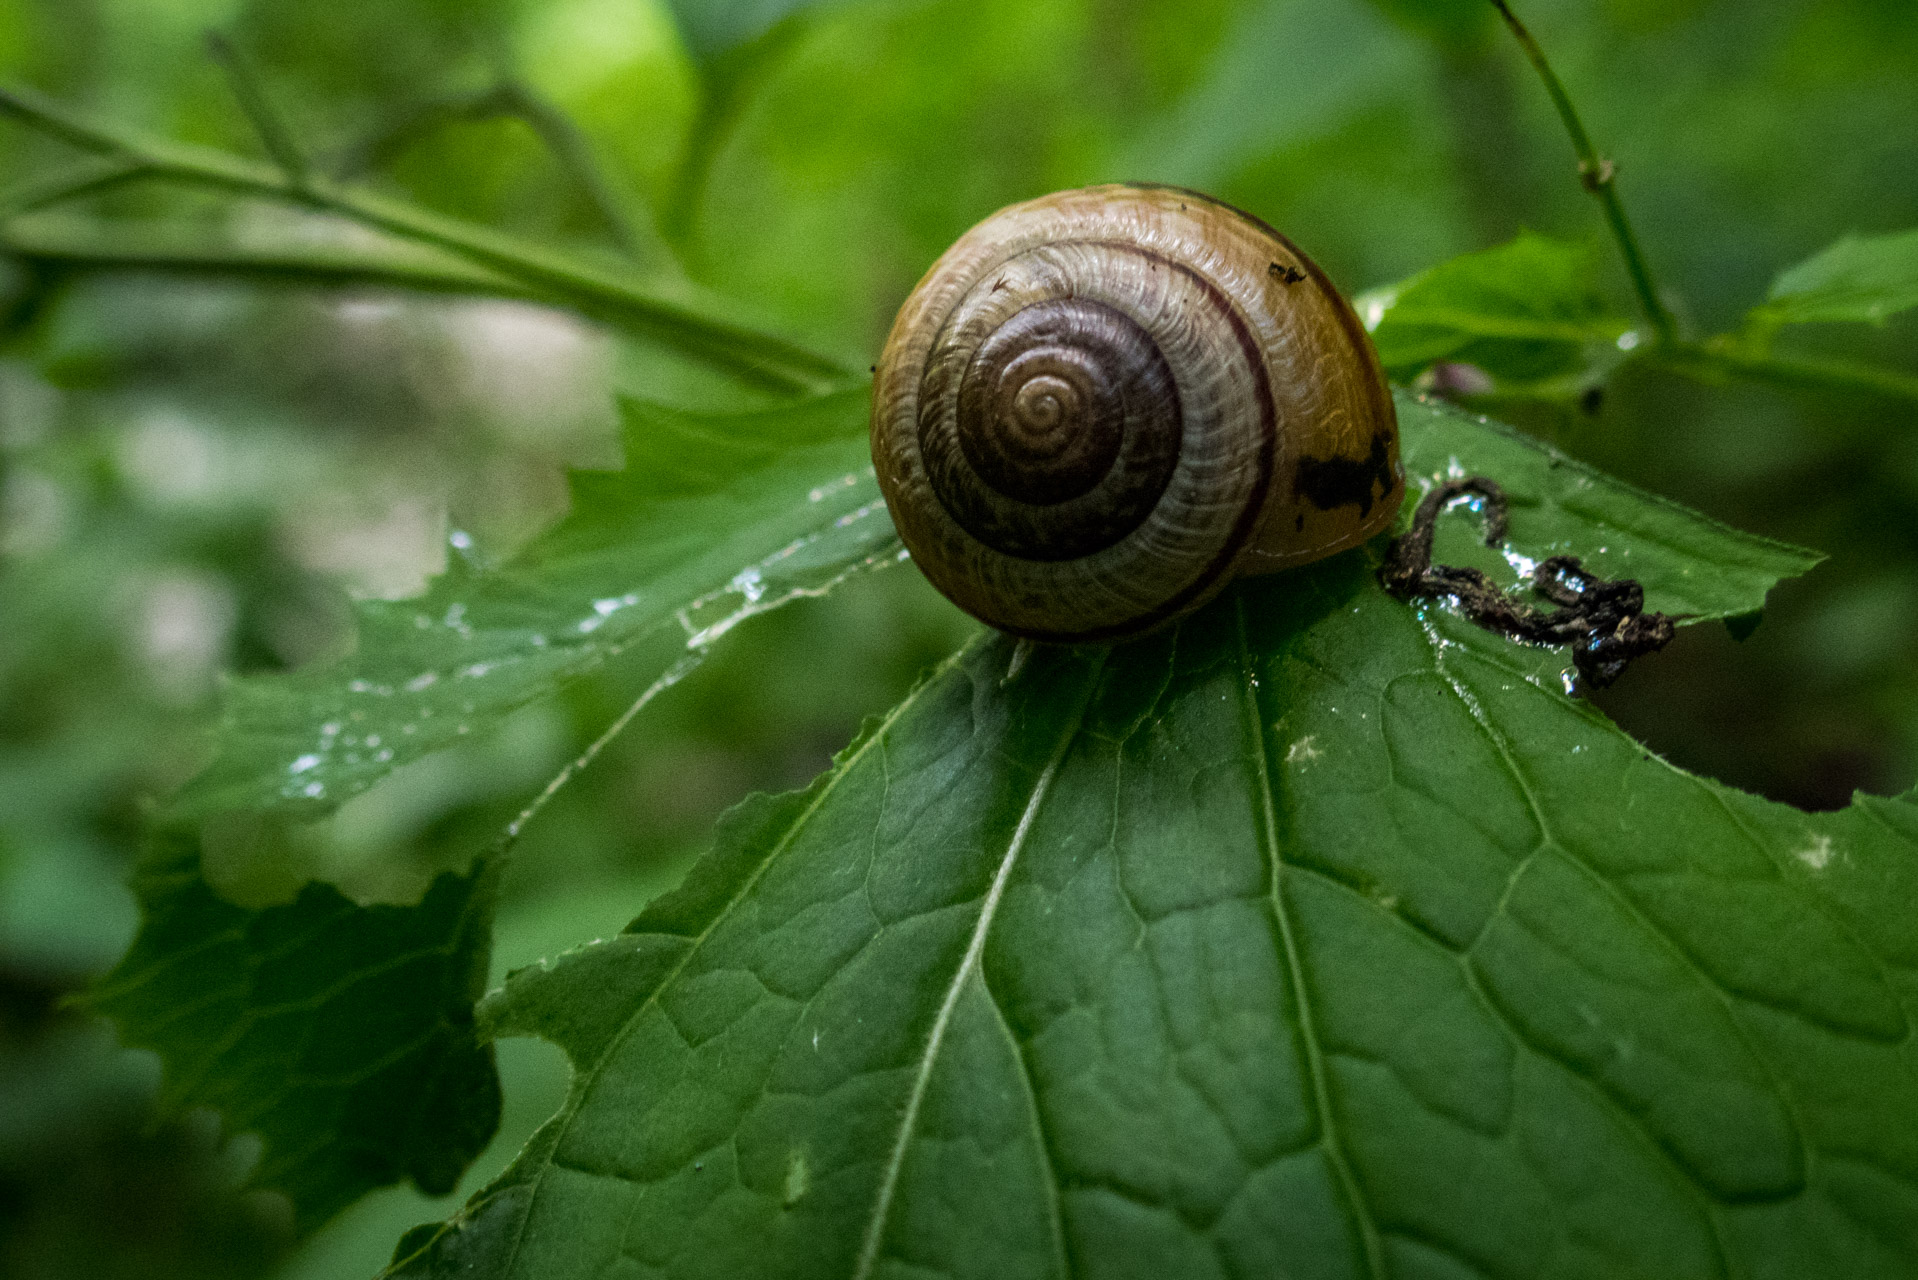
1295,969
922,1078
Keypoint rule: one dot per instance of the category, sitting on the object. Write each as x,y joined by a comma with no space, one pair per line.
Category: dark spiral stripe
1062,435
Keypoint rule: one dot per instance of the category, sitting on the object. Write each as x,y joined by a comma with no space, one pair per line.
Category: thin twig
250,92
89,177
556,130
574,151
1600,177
555,277
144,245
1719,359
414,122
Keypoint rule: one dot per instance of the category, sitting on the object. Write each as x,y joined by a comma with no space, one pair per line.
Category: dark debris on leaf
1602,619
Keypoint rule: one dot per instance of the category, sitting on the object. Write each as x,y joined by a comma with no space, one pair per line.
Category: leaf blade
1863,279
1338,941
1527,312
713,520
1697,567
343,1035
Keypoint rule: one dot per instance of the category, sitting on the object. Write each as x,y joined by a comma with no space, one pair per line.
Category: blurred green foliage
197,473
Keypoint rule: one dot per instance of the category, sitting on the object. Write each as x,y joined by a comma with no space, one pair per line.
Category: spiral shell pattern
1100,406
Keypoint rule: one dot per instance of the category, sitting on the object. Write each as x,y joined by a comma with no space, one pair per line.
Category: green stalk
551,276
1599,176
87,243
89,177
1719,359
248,89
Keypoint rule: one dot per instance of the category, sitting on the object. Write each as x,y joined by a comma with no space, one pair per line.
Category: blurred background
199,471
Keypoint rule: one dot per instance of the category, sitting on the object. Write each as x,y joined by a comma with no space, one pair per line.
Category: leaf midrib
590,1077
1369,1244
875,1234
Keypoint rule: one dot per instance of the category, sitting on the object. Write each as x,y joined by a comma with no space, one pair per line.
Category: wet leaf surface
1321,935
712,520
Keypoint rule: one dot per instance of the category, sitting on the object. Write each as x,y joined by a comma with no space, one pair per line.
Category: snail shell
1102,405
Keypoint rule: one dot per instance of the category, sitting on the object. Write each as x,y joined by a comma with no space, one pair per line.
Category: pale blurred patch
375,545
183,631
34,513
538,371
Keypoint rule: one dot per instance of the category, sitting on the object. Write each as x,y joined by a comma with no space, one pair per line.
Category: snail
1101,406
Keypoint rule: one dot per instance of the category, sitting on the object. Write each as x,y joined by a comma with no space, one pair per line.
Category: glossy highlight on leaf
1321,935
714,519
1689,565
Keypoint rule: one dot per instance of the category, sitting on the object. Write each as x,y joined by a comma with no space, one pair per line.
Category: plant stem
1599,176
568,144
89,177
574,151
274,133
553,277
727,85
1718,359
85,243
411,123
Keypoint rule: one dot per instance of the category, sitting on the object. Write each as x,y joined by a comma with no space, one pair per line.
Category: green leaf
1860,278
714,519
342,1035
1689,565
1322,935
1527,312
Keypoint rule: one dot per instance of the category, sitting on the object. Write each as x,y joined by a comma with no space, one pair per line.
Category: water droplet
747,583
305,762
1522,563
